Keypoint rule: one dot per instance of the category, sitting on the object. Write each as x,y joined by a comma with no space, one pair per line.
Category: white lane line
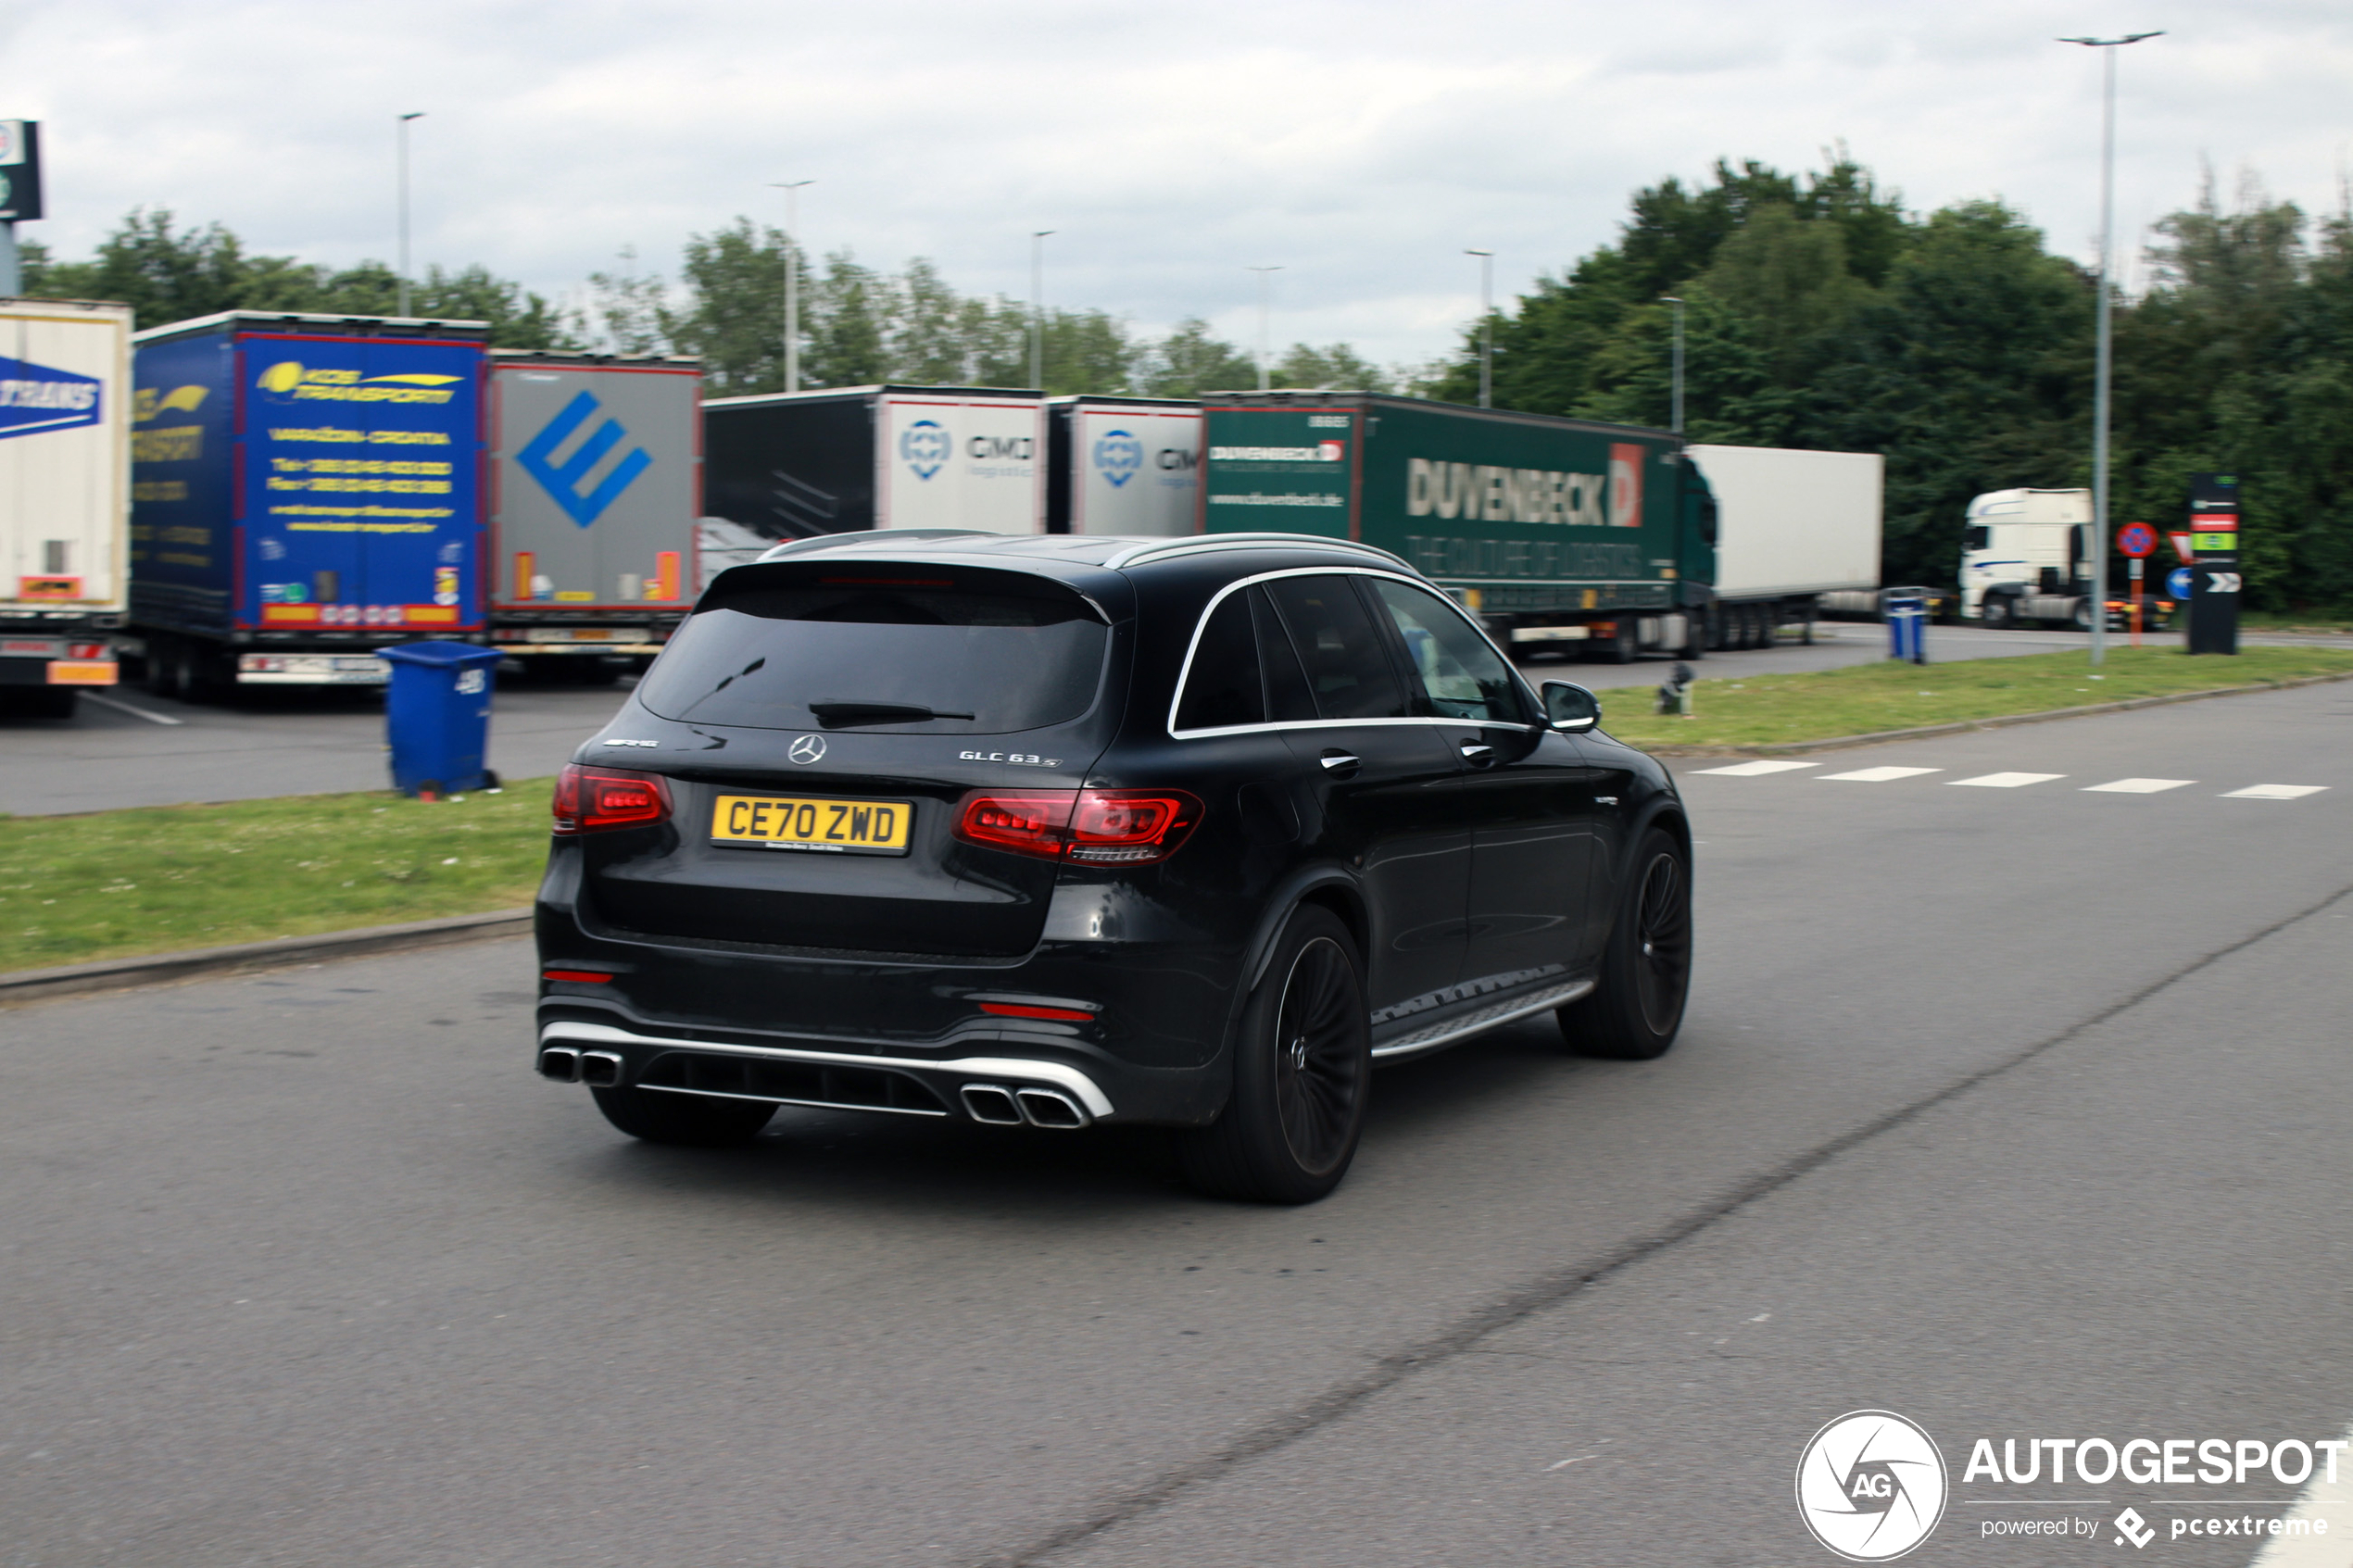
2273,792
2329,1495
1758,769
121,707
2005,781
2136,786
1877,776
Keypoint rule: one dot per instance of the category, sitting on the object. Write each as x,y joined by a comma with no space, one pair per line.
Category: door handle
1477,751
1340,761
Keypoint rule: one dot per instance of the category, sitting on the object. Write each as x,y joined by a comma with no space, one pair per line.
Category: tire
1635,1012
1621,647
1303,1072
1994,614
694,1120
2081,619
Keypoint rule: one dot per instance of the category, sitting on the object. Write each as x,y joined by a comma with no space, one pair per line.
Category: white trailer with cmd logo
1124,465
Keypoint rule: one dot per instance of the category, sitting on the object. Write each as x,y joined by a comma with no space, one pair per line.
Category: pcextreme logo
288,378
1872,1486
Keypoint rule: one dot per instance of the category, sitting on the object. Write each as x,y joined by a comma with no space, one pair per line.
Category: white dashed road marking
2273,792
2136,786
1877,776
1758,769
2005,781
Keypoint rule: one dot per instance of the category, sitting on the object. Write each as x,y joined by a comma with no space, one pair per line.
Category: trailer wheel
1622,647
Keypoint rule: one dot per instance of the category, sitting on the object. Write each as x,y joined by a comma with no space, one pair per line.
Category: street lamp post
1486,326
1675,383
1037,308
792,279
401,139
1265,344
2104,356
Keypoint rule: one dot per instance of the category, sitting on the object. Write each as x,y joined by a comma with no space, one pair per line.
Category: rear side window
1347,668
1460,675
930,650
1289,701
1223,686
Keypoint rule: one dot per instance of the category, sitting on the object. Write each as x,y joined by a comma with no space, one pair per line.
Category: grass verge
167,878
1865,699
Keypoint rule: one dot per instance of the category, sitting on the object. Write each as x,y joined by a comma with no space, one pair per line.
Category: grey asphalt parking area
2016,1109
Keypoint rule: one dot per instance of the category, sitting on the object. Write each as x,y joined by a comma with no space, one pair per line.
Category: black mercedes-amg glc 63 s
1050,830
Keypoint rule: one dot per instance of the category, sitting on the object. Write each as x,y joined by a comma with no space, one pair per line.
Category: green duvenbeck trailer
1551,530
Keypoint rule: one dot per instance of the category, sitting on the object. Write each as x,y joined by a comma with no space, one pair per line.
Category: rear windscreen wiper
835,712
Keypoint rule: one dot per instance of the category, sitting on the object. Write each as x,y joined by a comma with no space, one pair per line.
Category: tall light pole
1486,326
2104,357
1037,308
1676,382
792,281
401,138
1265,344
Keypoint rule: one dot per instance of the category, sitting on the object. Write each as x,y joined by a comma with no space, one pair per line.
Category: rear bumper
897,1032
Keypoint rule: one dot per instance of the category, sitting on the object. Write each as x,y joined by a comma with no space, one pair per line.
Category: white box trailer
1123,465
1790,526
66,420
791,465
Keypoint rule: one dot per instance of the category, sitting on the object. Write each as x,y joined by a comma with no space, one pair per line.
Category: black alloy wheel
1633,1013
1303,1069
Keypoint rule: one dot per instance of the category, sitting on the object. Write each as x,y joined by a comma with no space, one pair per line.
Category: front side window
1340,648
1460,673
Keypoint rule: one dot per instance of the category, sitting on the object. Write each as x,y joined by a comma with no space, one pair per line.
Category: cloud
1360,146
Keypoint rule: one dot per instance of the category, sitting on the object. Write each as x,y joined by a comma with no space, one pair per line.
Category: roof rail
1156,549
867,537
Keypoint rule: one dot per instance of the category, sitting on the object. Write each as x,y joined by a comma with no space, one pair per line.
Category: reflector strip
1059,1015
583,976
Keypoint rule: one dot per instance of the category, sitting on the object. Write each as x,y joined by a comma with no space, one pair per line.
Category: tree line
859,326
1818,313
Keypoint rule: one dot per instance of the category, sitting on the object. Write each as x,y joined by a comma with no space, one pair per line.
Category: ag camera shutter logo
1872,1486
1119,456
927,447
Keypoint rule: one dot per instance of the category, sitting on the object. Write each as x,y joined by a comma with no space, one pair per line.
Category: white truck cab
2027,557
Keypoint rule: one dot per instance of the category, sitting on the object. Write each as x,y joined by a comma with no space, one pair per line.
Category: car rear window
878,647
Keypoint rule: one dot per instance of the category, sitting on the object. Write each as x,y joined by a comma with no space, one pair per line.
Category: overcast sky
1360,146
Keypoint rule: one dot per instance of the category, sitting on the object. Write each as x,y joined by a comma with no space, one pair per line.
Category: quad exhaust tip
567,1065
1002,1106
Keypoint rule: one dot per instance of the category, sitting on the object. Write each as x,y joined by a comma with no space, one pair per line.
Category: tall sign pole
1675,384
401,135
792,282
1265,344
1037,308
20,195
2104,357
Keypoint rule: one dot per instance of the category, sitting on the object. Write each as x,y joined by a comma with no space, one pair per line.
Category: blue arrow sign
2177,583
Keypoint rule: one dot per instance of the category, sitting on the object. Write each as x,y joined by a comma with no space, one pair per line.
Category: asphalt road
130,748
2016,1109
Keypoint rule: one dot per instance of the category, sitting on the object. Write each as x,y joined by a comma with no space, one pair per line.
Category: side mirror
1569,707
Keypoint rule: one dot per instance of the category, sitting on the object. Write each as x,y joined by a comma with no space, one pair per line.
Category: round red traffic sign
2136,539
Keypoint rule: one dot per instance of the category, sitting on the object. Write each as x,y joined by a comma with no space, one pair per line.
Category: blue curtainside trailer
305,489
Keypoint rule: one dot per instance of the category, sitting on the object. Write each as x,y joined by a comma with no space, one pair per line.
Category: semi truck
794,465
1590,537
306,489
1123,465
65,499
1791,528
2027,558
595,485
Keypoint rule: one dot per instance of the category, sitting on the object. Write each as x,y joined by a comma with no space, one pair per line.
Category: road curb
2001,722
154,969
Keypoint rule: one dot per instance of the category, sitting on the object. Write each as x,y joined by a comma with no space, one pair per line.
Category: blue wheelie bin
437,716
1906,628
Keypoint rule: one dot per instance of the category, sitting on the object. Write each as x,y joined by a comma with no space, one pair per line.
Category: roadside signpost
2214,563
2138,542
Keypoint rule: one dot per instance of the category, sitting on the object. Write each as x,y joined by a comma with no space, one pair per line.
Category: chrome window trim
1069,1079
1201,625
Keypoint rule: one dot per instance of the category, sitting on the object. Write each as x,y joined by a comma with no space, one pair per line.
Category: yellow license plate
842,827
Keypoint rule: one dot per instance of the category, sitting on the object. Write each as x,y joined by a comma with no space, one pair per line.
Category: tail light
1127,827
596,800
